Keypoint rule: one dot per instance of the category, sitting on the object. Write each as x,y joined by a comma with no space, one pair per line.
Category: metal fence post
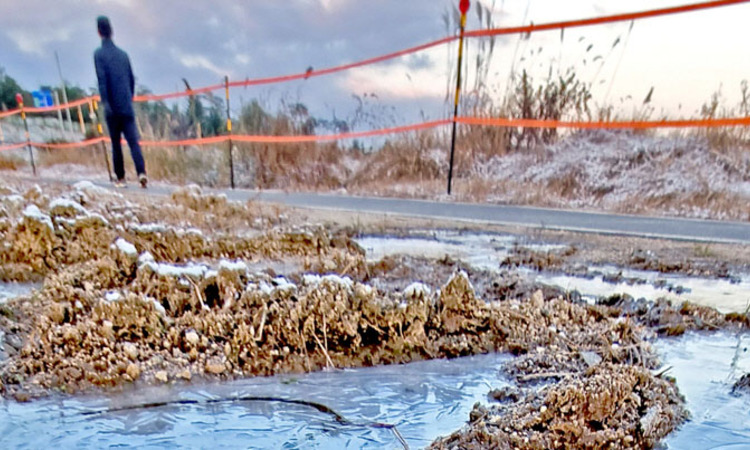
59,113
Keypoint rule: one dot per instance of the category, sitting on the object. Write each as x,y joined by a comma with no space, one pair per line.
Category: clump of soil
667,319
539,260
742,385
698,265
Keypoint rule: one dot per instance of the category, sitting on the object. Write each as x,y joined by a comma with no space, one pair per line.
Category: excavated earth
143,291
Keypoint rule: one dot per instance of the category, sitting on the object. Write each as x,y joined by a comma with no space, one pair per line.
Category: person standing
116,89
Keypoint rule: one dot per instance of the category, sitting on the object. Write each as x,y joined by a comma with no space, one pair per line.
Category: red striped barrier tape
476,33
633,124
12,146
477,121
606,19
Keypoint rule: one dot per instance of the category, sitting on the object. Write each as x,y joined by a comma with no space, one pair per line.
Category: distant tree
8,90
255,120
155,117
213,123
303,122
74,93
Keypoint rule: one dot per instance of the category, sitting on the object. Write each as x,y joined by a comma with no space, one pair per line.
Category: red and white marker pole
19,101
463,6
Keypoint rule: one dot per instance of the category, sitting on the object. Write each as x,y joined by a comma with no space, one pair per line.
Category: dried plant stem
262,323
541,376
329,361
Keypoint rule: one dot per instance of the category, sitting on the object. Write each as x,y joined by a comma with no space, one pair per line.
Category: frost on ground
626,172
617,171
155,305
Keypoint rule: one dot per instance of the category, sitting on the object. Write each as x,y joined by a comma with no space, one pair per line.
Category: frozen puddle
424,400
706,367
721,294
13,290
487,251
483,251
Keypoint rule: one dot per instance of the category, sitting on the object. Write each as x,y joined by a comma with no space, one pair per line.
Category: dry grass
8,163
91,156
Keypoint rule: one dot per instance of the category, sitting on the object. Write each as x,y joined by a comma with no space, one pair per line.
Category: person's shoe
120,184
143,179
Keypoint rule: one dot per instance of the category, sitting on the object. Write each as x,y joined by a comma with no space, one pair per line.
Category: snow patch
233,266
283,284
112,296
64,203
173,271
14,199
148,228
145,257
32,212
126,247
89,187
417,290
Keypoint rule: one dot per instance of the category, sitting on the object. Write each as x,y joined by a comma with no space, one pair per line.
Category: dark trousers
119,125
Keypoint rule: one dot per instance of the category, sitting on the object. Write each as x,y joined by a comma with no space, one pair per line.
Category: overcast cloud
686,57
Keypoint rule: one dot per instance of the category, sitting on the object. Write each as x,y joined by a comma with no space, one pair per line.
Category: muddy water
485,251
424,400
724,295
706,366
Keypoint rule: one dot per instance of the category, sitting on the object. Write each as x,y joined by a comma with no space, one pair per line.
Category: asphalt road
554,219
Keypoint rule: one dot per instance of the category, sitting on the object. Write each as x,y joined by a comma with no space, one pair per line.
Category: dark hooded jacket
116,81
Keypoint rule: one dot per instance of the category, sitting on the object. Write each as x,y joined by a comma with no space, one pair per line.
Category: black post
229,131
464,7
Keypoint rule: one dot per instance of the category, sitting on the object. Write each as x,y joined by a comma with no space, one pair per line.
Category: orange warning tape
69,145
9,113
296,139
186,142
476,33
341,136
330,70
605,19
185,93
12,146
632,124
82,101
497,122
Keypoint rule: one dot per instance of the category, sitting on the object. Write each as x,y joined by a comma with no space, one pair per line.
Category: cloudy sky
685,57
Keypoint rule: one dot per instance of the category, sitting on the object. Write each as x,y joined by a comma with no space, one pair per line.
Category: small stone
130,350
21,397
133,371
192,338
185,375
162,376
216,368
